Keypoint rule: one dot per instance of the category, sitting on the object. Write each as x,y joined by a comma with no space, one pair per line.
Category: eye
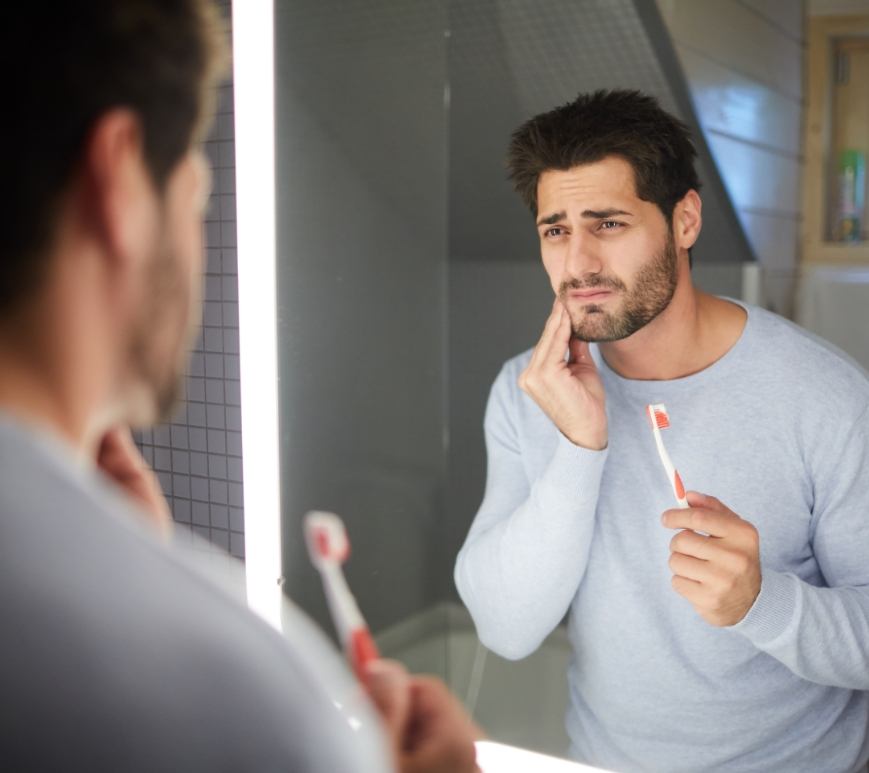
610,225
553,232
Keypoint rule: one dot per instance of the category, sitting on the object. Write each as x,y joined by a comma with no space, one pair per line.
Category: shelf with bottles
836,216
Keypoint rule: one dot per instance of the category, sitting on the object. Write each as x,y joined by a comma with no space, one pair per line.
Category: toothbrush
328,548
660,420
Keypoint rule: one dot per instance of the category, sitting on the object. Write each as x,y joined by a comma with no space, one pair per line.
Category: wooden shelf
836,252
819,136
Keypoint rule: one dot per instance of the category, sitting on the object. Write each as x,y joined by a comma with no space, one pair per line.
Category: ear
687,220
121,195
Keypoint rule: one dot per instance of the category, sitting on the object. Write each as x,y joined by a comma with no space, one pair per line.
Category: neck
694,331
53,368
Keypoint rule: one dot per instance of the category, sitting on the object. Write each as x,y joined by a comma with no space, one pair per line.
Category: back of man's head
66,65
628,124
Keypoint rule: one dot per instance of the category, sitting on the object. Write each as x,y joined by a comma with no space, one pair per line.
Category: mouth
589,296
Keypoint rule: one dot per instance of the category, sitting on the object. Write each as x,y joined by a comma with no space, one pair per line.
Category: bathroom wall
361,202
197,455
743,60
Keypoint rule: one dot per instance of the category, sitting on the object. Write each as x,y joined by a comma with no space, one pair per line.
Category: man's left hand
719,573
119,458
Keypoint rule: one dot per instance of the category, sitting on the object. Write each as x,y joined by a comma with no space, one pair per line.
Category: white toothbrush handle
672,474
342,606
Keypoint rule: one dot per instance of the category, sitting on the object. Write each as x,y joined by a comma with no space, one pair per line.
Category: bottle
852,187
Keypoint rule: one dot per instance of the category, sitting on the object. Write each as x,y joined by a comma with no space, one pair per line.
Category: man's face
610,256
172,287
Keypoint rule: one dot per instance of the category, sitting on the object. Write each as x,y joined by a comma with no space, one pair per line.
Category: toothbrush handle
361,651
679,490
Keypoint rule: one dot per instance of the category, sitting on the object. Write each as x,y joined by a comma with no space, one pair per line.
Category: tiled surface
198,455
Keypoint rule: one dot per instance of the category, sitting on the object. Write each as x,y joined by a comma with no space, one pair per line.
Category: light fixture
253,72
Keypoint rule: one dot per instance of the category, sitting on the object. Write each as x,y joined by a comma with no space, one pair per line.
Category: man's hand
719,574
119,458
570,392
429,730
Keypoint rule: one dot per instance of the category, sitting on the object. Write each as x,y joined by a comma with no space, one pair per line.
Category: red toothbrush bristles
662,420
327,550
322,539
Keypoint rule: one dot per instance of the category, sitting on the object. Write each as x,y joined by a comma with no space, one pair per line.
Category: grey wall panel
776,237
733,35
743,108
756,177
497,309
361,170
787,15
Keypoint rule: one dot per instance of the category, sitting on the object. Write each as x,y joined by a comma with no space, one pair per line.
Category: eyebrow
593,214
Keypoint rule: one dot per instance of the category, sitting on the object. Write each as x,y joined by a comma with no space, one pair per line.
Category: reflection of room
408,272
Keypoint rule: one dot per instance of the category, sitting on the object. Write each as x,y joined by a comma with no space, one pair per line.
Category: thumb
388,685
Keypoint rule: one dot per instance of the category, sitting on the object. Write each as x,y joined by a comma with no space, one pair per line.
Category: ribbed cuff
773,611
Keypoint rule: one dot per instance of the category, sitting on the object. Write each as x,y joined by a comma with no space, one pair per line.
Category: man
117,653
732,635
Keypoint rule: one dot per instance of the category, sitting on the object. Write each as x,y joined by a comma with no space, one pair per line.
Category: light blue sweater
778,429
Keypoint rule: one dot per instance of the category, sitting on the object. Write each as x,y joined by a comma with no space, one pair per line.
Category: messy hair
627,124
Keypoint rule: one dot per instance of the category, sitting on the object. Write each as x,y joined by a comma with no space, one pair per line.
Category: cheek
189,243
553,264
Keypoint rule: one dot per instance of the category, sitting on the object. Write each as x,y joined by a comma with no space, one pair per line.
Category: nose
583,256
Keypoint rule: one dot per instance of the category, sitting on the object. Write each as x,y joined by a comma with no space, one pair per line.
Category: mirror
408,273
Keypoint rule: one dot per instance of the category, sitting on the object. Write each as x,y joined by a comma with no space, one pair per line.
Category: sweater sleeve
822,633
527,548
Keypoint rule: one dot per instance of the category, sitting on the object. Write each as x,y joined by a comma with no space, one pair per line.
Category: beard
161,337
652,291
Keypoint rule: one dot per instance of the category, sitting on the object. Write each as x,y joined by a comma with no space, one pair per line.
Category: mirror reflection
410,272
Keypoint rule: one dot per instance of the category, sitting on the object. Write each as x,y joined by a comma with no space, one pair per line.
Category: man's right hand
429,729
570,392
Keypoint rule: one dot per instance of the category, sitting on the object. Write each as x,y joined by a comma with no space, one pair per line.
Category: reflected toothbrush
661,420
328,548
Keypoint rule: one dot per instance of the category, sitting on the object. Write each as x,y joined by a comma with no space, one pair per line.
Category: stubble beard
652,291
161,338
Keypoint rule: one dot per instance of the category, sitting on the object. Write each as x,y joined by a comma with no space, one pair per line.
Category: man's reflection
728,634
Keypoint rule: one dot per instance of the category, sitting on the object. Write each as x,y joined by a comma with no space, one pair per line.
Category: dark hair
627,124
67,64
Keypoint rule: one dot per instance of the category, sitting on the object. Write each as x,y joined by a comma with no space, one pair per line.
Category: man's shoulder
107,616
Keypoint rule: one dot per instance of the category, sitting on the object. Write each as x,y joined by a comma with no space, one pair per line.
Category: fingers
554,339
388,684
440,736
704,514
117,449
120,459
692,544
578,351
718,571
